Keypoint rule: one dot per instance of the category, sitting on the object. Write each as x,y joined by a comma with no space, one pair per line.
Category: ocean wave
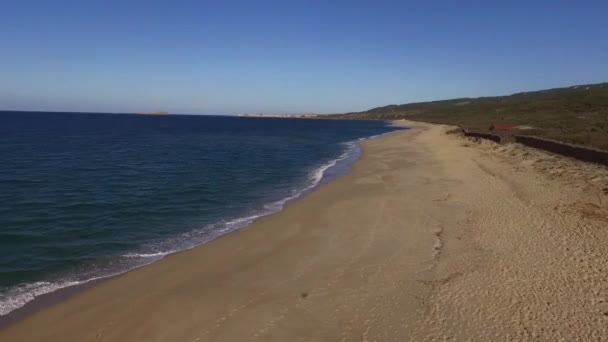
22,294
147,255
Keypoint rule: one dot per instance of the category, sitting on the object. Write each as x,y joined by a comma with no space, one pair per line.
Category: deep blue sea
85,196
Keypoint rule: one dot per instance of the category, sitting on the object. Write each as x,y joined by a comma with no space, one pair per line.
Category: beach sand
431,238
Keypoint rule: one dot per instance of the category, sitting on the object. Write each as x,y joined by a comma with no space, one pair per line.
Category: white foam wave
147,255
318,174
19,296
24,293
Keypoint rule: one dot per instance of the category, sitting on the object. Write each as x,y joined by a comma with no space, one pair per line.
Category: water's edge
323,175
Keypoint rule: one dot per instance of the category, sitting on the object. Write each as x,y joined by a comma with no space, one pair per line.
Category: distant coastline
268,115
154,113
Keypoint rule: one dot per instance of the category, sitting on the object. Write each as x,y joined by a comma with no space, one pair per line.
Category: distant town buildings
262,115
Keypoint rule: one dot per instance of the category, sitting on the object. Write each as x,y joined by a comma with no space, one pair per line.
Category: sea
86,196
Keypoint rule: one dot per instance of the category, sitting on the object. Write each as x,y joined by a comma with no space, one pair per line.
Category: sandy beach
431,237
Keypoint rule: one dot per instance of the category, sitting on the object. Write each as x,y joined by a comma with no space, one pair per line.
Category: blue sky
225,57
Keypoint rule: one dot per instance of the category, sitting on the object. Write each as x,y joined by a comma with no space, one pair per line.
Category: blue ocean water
84,196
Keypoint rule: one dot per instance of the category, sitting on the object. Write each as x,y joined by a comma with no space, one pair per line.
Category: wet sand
430,238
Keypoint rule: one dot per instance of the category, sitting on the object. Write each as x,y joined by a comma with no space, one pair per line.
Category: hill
577,114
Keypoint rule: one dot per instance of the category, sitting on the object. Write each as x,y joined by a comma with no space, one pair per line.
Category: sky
230,57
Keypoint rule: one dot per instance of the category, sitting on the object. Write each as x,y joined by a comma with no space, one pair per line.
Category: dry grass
577,115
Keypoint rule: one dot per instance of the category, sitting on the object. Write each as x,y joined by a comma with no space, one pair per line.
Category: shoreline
329,171
430,237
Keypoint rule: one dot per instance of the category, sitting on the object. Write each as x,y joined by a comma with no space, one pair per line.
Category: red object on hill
502,127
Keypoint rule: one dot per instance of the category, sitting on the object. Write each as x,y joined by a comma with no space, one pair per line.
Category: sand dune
430,238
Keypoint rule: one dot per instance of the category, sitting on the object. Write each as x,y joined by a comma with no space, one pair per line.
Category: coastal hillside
577,114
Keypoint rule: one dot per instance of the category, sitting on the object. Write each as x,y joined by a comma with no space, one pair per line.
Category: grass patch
576,115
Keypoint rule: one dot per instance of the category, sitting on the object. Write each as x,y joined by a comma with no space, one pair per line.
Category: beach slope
429,238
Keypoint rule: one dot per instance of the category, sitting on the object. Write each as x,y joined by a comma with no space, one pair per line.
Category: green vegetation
577,115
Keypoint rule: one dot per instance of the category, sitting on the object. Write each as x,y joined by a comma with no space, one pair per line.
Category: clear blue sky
222,57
